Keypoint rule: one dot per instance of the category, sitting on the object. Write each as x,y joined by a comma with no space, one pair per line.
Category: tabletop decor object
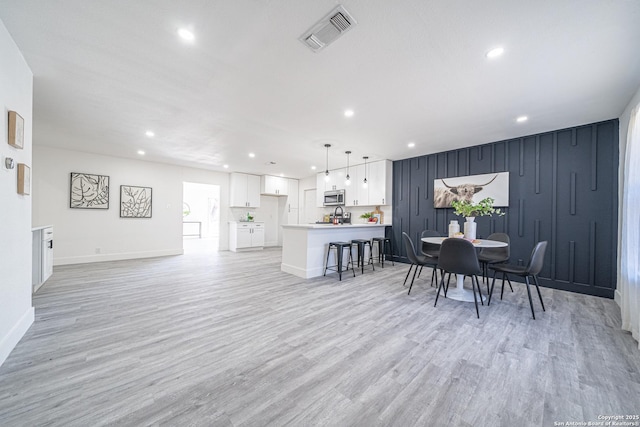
470,210
366,216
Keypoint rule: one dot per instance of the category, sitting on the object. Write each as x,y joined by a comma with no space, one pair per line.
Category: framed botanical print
89,191
135,202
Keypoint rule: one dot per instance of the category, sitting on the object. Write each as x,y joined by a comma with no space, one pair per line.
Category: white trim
116,257
16,333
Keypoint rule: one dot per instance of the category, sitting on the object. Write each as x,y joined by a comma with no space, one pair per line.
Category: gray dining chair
459,256
494,256
415,259
431,250
532,269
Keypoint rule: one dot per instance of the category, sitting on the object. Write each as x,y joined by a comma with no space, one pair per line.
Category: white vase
470,228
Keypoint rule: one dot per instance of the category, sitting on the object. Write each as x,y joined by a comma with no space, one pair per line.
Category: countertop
42,227
334,227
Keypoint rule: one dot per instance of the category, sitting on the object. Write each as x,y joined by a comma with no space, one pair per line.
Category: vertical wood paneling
521,217
547,200
506,155
572,202
426,184
521,156
594,157
493,157
456,172
468,165
592,253
538,164
572,260
554,205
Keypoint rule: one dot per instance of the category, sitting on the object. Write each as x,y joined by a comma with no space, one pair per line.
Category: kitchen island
304,246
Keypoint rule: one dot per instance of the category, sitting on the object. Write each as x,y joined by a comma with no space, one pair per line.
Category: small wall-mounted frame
24,179
16,130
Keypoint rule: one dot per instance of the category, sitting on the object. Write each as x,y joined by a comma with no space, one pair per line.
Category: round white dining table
460,293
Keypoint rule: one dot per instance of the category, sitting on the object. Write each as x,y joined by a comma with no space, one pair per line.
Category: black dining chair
459,256
494,256
415,259
431,250
533,268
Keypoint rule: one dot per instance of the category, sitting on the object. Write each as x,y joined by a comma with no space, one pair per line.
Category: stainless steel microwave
334,198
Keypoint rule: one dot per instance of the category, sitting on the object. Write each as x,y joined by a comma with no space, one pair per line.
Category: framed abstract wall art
135,202
89,191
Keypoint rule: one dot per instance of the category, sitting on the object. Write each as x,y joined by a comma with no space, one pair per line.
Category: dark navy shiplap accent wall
563,188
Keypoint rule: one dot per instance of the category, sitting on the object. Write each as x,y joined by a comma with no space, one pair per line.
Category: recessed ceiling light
522,119
252,155
494,53
150,133
186,35
348,113
411,144
313,168
282,175
225,166
141,152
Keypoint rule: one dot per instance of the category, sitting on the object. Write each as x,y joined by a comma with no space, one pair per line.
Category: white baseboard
9,342
85,259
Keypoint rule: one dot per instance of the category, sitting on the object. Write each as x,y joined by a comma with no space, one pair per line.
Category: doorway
200,217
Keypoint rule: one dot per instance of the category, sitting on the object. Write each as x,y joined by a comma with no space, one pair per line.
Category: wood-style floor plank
227,339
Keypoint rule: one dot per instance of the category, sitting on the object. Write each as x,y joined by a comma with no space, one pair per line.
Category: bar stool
361,243
383,244
340,247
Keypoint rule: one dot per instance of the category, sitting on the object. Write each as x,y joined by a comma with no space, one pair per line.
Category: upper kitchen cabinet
293,199
274,185
379,178
244,191
378,188
335,181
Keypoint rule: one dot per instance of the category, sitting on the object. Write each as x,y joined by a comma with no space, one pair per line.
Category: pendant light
326,172
348,180
365,183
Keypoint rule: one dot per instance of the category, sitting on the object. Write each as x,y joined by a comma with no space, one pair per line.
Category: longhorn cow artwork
473,188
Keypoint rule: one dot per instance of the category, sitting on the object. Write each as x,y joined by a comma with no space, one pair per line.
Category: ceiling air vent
328,29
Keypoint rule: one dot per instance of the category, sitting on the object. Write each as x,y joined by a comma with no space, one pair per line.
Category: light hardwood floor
227,339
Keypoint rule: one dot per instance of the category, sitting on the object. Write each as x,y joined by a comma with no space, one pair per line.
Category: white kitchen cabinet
246,235
42,256
274,185
293,196
380,187
292,207
335,182
244,190
356,193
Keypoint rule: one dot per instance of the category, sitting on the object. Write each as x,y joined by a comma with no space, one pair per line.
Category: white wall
624,125
83,235
16,92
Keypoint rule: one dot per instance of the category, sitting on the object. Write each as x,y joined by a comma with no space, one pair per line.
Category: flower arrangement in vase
470,210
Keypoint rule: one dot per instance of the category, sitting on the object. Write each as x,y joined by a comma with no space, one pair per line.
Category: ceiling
411,70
